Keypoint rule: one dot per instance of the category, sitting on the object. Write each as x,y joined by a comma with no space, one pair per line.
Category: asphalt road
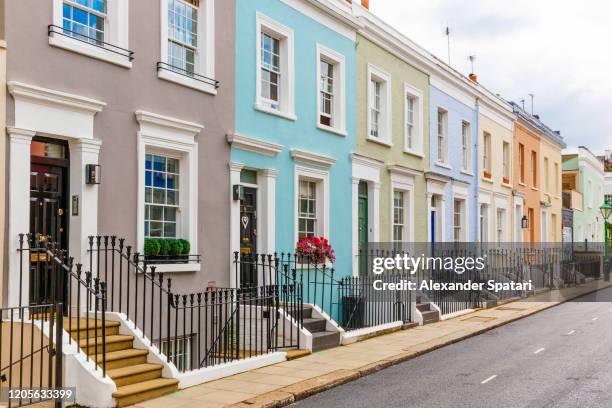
561,357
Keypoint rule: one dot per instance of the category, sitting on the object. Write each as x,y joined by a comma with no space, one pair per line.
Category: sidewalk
289,381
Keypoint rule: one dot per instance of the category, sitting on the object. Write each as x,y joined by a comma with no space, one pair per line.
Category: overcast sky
559,50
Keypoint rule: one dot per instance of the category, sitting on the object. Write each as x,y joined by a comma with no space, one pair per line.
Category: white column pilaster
374,219
355,225
267,228
85,223
428,215
235,169
19,214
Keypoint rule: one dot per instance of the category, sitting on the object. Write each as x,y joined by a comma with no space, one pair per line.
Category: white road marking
489,379
595,318
539,350
571,332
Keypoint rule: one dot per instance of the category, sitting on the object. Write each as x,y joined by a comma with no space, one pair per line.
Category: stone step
423,307
431,316
135,374
114,342
325,340
314,325
145,390
306,312
73,327
123,358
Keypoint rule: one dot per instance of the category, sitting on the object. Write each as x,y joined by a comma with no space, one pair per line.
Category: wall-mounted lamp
237,192
524,222
92,174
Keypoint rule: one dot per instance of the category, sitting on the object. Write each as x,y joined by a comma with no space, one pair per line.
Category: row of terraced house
237,127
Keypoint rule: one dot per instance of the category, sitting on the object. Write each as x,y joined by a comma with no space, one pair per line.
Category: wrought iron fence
31,352
54,277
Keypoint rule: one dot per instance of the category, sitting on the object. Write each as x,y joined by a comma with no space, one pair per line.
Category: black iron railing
197,329
162,66
57,30
55,278
30,358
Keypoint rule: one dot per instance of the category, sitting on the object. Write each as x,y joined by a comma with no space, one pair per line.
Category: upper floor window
546,175
442,127
465,145
534,169
413,117
187,44
85,19
270,70
379,105
183,34
557,172
331,115
95,28
506,162
275,82
486,155
521,159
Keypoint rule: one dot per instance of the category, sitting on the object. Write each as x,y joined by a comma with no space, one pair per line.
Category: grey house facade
116,113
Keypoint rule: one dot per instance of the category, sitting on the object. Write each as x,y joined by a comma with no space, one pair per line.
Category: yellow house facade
550,190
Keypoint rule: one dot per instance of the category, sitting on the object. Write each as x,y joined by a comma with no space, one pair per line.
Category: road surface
561,357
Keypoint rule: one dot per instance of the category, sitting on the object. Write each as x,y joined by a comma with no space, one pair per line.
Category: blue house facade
290,168
452,182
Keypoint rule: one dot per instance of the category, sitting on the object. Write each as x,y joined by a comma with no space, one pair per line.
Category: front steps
136,380
321,337
428,312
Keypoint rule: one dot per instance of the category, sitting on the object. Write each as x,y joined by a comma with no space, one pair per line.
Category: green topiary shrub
175,247
164,247
151,247
186,247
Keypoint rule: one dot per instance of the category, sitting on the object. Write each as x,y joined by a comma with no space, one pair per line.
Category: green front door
362,222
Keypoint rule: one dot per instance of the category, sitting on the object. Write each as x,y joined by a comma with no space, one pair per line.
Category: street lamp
606,212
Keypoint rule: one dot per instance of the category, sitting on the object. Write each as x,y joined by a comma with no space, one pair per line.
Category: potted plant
487,174
175,248
186,250
316,250
151,248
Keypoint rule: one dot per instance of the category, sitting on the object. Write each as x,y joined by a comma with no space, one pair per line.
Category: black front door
48,218
248,237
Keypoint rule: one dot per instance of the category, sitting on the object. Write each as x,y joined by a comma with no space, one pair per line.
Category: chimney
536,116
365,3
473,77
558,132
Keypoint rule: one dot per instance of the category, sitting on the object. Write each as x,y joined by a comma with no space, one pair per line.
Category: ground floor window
399,216
458,220
161,196
484,222
501,218
178,351
307,208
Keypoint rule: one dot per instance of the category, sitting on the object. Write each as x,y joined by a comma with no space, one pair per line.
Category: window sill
339,132
379,141
285,115
487,180
467,173
176,267
186,81
443,165
414,153
522,184
535,189
507,185
89,50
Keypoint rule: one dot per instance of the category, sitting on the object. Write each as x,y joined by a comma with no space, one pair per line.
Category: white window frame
546,165
321,177
417,125
175,138
590,193
483,221
404,209
337,60
458,212
168,155
557,173
486,154
384,126
521,159
167,345
466,146
442,148
287,69
205,55
506,162
116,32
403,182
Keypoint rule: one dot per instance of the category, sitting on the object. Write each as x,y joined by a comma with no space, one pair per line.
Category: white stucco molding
405,171
254,145
149,121
312,158
53,112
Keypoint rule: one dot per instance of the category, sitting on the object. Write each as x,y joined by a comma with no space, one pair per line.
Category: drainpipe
476,172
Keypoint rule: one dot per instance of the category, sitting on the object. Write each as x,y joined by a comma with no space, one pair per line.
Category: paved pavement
561,357
283,383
